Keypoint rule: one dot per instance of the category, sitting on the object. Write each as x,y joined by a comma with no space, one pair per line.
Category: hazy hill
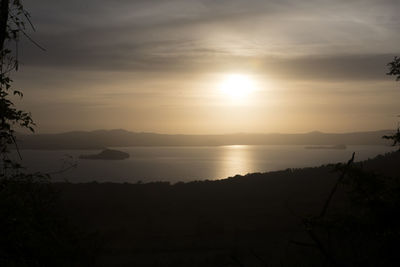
118,138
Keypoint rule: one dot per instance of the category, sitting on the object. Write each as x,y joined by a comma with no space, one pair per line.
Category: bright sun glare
237,86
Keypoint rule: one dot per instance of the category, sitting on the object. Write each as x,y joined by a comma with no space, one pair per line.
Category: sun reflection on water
235,159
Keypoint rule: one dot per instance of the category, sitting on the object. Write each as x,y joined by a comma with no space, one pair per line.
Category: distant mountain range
101,139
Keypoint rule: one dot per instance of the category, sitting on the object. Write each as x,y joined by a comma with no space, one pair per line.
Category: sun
237,86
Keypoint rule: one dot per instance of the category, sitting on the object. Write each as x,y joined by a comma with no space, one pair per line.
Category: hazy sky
158,65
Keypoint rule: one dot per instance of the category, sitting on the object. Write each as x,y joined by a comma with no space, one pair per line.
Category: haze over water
175,164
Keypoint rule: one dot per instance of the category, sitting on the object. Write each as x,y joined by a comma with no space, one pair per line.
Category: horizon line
217,134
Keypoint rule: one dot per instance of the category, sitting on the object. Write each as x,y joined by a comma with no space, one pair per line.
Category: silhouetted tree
394,70
365,231
32,231
11,26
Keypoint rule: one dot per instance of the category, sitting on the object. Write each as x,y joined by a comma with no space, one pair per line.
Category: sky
211,66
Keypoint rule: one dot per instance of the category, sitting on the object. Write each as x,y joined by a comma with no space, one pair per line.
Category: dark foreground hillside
241,221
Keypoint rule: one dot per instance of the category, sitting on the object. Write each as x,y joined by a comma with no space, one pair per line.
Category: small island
327,147
107,154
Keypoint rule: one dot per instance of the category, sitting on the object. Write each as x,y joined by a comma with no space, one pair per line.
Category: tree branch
333,191
3,22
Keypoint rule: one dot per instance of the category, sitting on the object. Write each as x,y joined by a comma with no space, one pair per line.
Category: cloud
314,39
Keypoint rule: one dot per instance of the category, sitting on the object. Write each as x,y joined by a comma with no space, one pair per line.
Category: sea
175,164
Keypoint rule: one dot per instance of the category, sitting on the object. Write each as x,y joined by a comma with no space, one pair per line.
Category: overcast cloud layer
164,35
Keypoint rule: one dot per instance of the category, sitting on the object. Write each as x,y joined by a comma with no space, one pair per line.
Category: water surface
187,163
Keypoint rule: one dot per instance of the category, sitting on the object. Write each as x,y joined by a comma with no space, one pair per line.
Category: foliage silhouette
33,232
365,230
12,24
394,70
